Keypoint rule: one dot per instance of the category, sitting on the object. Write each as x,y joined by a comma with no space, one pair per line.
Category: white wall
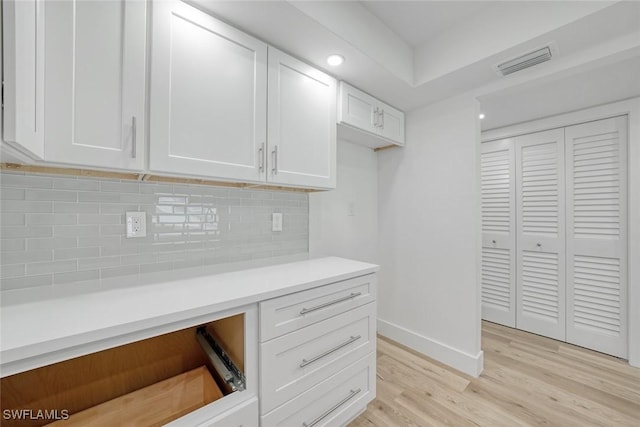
344,222
429,225
630,107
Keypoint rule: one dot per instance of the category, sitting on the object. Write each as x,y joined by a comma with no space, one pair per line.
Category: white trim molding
468,363
631,108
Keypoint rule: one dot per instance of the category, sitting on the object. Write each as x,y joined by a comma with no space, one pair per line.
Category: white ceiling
413,53
417,22
538,99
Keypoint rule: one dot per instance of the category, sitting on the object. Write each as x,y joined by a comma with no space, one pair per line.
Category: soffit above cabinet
389,56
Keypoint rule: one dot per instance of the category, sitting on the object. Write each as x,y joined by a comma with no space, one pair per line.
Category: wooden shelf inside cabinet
154,405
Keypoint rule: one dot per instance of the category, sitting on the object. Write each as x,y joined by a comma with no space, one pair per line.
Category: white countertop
37,331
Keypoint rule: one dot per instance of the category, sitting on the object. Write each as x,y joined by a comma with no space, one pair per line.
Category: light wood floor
527,380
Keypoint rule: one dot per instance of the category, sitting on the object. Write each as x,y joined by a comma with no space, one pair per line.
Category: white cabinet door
391,124
497,176
95,82
358,109
597,235
302,124
23,45
208,96
541,233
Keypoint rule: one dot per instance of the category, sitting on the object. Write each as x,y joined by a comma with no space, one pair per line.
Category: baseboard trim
464,362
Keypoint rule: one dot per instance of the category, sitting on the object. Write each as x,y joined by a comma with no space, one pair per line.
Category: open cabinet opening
144,383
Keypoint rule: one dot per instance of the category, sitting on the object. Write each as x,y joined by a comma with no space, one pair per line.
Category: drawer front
293,363
334,402
244,415
282,315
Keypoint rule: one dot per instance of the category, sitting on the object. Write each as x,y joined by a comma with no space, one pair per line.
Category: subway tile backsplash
58,230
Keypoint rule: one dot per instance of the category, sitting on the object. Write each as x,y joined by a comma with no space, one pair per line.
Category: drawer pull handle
325,414
327,304
306,362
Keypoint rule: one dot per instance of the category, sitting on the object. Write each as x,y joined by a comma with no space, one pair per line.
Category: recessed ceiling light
481,116
335,60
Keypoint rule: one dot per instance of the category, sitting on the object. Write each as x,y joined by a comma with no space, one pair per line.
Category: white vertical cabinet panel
208,96
540,227
301,123
498,279
95,83
597,235
23,49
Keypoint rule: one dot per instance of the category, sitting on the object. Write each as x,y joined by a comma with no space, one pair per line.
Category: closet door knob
539,245
494,242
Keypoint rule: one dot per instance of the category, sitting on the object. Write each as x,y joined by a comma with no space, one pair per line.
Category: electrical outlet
276,221
136,224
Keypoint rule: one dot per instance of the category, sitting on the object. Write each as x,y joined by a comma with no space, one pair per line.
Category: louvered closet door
498,232
540,233
596,235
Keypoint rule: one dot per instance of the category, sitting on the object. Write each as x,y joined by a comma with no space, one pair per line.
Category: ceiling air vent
522,62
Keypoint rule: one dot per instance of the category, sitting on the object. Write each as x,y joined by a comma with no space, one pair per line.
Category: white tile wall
57,230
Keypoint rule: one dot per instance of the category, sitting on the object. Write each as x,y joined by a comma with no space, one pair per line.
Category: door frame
630,108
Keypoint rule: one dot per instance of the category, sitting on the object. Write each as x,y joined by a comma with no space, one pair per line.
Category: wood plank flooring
528,380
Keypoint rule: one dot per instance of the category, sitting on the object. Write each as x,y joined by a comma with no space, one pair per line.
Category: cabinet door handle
375,118
327,304
274,158
306,362
133,137
261,158
381,118
325,414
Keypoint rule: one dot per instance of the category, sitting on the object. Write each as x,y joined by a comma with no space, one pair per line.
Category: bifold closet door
498,232
596,235
540,225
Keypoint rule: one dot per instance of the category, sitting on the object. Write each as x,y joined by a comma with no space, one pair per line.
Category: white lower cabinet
333,402
243,415
194,357
317,354
201,372
295,362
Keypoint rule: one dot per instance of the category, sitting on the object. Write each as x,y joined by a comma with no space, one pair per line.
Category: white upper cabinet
95,83
358,111
208,97
76,79
209,105
302,124
23,45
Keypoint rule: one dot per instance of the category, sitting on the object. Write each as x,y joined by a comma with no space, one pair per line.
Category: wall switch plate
136,224
276,221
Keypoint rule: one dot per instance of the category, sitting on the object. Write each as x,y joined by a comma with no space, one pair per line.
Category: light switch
136,224
276,221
